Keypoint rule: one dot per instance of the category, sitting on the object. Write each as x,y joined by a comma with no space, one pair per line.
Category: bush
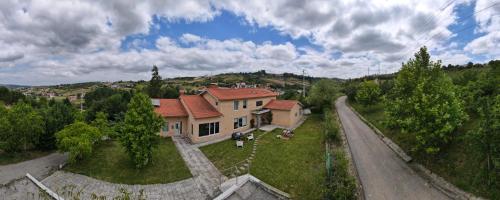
322,94
77,139
368,93
340,184
330,126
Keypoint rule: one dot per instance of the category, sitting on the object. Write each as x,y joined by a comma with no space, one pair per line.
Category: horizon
112,41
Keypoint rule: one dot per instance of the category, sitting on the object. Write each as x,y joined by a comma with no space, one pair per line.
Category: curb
435,180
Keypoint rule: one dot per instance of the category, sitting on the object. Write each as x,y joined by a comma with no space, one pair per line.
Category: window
258,103
165,127
191,129
216,103
240,122
236,104
208,129
244,104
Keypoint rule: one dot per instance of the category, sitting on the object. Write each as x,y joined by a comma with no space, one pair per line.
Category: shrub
77,139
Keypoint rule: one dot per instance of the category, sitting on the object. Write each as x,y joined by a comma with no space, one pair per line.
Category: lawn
11,158
109,162
296,166
457,162
225,154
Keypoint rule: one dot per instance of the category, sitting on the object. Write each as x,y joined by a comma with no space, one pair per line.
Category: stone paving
39,168
203,185
73,185
207,176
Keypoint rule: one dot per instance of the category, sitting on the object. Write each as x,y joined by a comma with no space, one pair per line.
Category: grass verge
12,158
109,162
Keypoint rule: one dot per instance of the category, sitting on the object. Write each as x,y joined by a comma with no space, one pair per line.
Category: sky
45,42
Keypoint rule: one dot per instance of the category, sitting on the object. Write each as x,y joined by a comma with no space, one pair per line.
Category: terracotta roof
240,93
171,108
199,106
281,104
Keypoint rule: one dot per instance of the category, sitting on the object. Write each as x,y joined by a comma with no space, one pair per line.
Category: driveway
382,173
39,168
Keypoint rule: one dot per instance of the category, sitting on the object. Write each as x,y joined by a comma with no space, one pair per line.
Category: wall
287,118
171,123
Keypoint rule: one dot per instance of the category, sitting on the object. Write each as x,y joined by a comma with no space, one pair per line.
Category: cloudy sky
53,41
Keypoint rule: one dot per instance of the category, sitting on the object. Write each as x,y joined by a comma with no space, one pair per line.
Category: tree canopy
423,103
155,83
323,93
139,130
368,93
77,139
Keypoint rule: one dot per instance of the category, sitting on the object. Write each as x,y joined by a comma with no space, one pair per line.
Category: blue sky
120,40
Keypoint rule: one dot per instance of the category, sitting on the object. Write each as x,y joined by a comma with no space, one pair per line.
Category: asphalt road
382,173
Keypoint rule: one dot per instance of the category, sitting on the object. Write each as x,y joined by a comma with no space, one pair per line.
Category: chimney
182,92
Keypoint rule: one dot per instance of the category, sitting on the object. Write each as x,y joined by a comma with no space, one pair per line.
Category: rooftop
170,108
281,104
199,106
240,93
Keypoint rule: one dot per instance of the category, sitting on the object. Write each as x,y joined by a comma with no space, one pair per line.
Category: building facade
218,112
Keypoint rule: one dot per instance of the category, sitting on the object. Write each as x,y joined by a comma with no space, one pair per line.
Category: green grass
456,163
296,166
109,162
11,158
225,154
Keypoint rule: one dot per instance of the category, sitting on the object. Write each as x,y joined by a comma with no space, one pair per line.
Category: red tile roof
171,108
240,93
199,106
281,104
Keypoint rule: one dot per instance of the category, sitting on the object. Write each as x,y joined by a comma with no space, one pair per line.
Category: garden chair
250,136
239,143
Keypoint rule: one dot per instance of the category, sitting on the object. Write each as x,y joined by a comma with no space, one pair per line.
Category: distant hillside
10,86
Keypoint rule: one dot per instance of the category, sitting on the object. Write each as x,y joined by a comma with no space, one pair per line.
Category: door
178,128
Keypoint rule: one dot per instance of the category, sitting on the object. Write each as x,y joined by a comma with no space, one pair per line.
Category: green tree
56,116
5,127
26,125
368,93
350,88
487,139
323,93
101,122
424,105
139,130
155,83
77,139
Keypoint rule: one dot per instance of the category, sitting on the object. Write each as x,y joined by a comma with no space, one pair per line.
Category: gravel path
383,174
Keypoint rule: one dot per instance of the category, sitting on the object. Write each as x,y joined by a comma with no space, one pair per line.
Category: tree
77,139
487,138
424,105
368,93
56,116
155,83
323,93
26,125
5,127
139,130
101,122
350,89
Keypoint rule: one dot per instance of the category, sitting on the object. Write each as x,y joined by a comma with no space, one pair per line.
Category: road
382,173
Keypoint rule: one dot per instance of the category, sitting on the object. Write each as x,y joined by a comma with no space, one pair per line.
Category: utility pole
303,83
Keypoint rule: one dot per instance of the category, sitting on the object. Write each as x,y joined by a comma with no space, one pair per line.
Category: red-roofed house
219,112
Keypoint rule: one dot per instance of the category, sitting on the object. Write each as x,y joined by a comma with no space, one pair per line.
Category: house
218,112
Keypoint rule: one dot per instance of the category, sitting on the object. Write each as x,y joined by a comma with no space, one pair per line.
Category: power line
463,19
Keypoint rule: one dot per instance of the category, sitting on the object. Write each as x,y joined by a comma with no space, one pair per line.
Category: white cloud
55,41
